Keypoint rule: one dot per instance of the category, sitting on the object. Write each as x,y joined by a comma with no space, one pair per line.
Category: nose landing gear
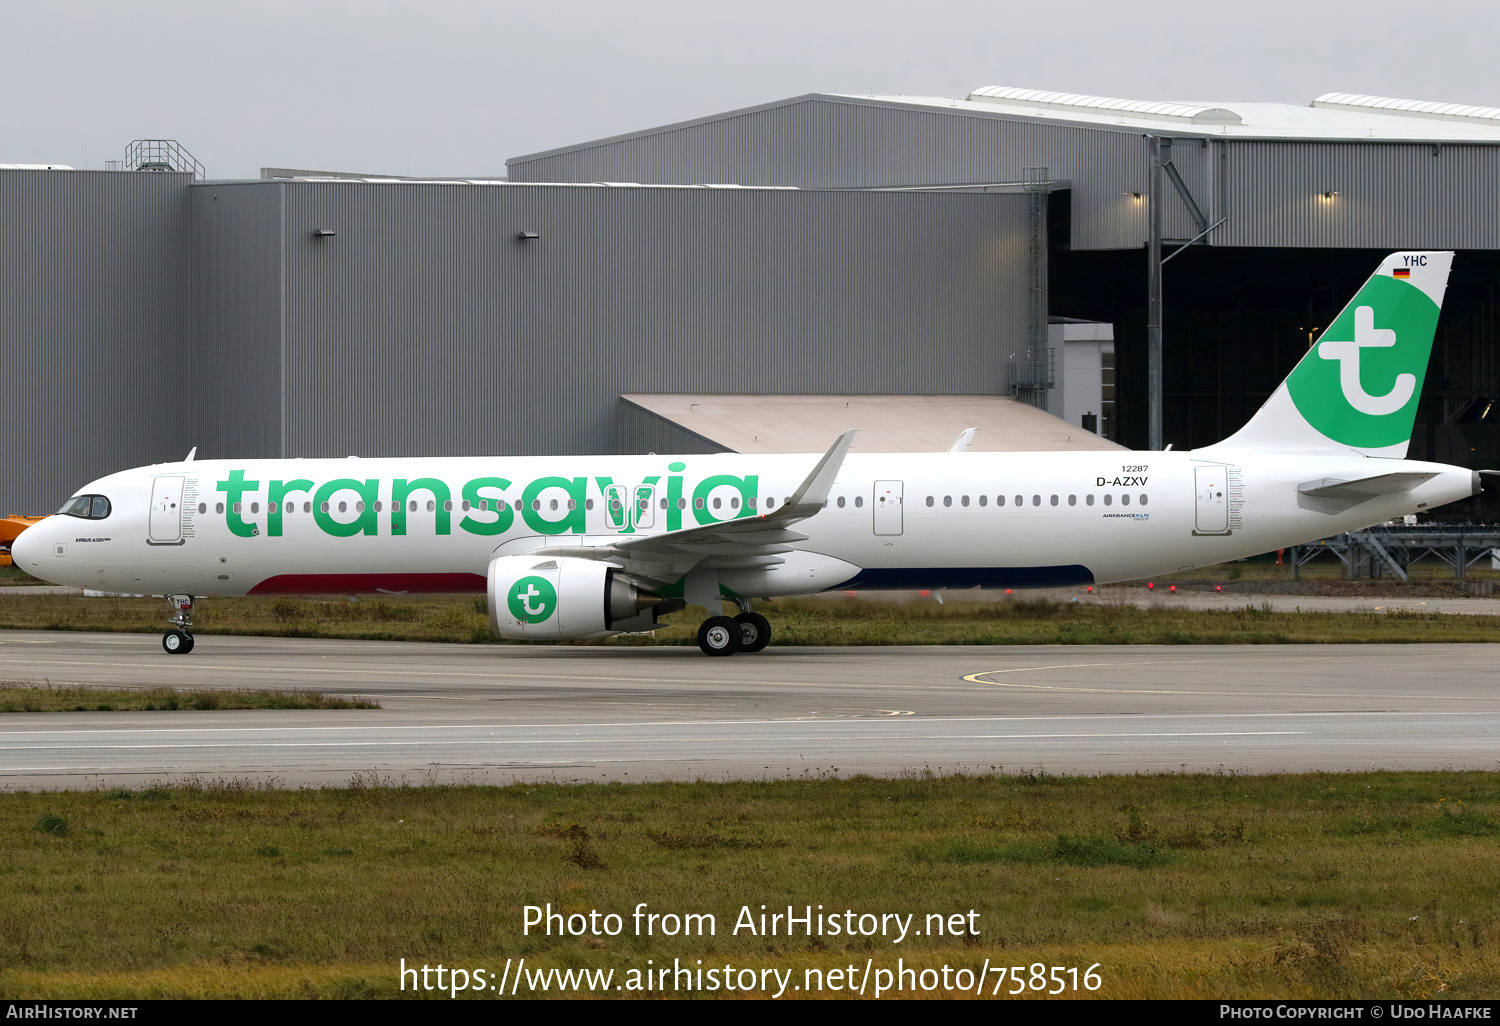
179,640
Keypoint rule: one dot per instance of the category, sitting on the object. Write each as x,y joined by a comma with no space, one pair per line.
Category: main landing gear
724,635
179,640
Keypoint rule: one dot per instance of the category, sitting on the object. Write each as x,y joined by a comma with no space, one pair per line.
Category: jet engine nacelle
561,597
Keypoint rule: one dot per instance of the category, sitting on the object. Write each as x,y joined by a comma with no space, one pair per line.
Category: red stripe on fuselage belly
369,584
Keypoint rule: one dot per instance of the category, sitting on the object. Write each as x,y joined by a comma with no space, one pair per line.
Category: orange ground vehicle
10,529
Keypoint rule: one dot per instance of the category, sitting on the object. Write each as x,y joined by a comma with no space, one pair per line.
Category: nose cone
29,548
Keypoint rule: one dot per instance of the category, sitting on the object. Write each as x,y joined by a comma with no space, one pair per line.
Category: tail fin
1357,388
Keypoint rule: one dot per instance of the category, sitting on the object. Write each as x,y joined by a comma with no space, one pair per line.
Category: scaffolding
1393,548
1031,375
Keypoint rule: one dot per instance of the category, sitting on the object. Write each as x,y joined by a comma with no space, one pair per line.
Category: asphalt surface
502,713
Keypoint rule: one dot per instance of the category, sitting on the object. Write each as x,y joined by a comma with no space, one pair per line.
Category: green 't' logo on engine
1361,383
532,599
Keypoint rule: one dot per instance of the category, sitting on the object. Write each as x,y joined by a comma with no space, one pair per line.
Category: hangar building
819,247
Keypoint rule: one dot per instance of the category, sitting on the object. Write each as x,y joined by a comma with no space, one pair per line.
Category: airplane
576,547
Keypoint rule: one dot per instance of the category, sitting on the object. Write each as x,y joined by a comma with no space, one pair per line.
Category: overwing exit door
887,511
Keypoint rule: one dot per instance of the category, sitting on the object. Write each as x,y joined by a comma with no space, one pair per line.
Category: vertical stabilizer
1357,388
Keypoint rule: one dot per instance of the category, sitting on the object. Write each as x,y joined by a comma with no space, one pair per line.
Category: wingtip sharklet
812,494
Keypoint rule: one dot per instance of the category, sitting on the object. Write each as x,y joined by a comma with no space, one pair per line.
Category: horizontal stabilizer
1329,495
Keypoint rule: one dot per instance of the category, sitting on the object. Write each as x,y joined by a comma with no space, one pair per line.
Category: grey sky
454,88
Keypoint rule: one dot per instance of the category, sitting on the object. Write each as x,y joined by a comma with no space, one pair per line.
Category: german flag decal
1401,272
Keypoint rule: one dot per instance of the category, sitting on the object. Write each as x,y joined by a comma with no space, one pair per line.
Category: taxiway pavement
499,713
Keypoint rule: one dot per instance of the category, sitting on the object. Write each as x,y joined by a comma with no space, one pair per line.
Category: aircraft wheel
755,631
177,642
719,636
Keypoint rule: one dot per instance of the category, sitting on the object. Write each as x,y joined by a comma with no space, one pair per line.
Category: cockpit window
88,507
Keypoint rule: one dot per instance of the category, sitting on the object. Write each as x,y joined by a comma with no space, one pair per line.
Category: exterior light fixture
1134,195
527,236
323,233
1329,195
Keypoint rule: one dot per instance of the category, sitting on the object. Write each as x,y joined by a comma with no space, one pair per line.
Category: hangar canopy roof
1330,116
886,423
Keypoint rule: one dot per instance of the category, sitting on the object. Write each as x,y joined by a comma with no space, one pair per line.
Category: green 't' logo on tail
1361,382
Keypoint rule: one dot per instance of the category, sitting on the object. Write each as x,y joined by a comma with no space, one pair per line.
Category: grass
829,620
1200,886
24,696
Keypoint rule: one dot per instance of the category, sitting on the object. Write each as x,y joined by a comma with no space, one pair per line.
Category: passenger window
749,502
484,505
1020,500
929,500
663,503
947,500
237,507
1143,498
717,503
323,506
964,501
465,506
343,506
432,505
1125,500
841,502
552,504
255,507
1054,500
770,502
859,500
447,505
270,507
307,507
1072,500
1107,498
202,507
536,504
218,507
359,506
698,503
518,505
1088,500
983,499
378,506
1036,500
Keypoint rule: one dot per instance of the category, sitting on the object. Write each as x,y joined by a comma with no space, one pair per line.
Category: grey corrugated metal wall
828,142
424,326
237,319
1390,194
94,323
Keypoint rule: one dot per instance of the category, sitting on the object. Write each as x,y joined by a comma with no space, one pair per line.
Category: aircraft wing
746,542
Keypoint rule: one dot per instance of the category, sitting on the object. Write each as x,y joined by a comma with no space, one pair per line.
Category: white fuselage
906,520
